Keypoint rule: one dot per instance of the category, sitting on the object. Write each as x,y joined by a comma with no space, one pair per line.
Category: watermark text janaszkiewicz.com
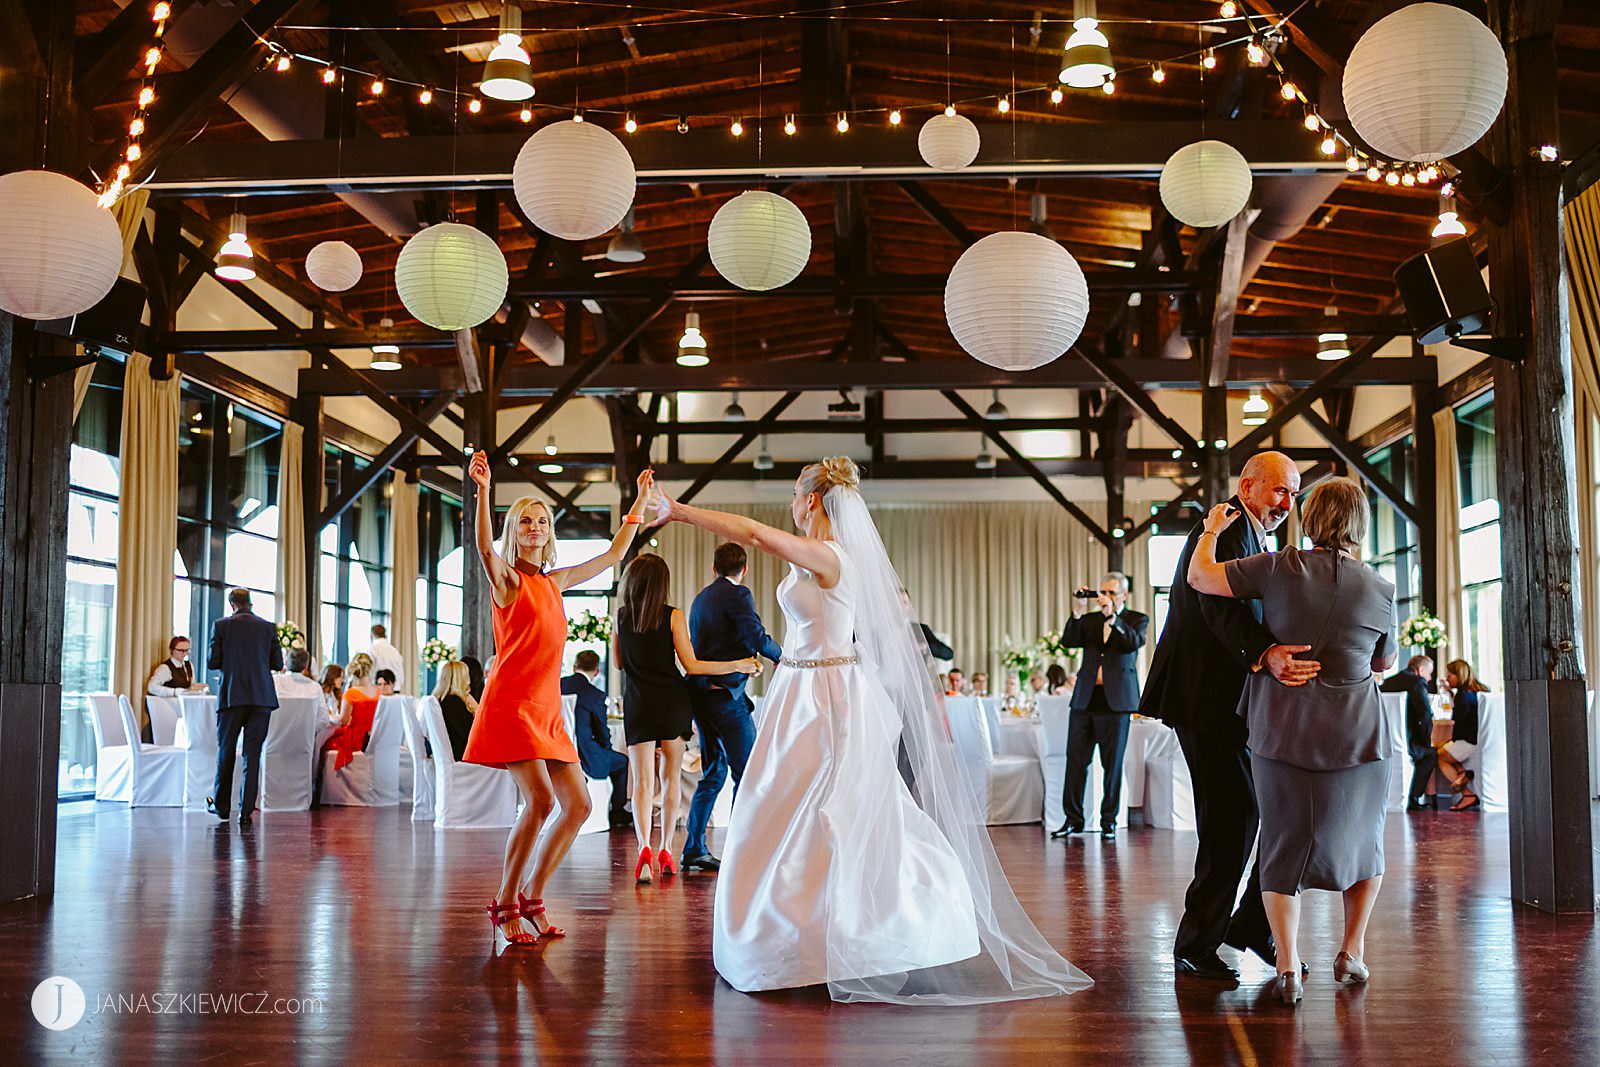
59,1003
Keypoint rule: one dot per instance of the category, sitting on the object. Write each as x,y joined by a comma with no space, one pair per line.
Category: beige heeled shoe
1346,968
1290,988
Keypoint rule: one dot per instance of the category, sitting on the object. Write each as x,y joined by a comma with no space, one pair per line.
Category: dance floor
370,929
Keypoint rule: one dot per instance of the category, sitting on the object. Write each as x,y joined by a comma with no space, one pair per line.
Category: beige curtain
291,583
129,213
1583,269
1451,608
147,535
403,586
977,574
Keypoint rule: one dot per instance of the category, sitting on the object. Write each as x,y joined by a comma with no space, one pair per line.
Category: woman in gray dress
1319,752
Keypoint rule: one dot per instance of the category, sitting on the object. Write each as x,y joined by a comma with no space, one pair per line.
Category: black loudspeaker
112,325
1443,292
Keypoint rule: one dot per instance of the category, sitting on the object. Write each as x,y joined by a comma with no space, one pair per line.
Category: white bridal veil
1014,961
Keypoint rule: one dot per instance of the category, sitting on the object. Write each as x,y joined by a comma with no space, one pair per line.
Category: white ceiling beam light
692,345
508,72
1086,57
236,261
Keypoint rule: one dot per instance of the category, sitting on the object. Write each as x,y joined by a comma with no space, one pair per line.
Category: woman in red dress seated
519,725
356,711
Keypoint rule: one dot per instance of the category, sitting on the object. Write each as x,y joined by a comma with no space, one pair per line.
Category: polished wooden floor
382,921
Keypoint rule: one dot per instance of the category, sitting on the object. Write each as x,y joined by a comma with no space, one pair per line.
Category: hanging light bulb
736,128
1004,105
1228,9
1255,53
1373,173
550,468
1329,145
1109,86
577,115
894,117
950,109
329,76
526,114
1256,409
629,124
550,445
984,461
843,125
474,105
788,125
1086,57
508,72
733,412
1332,344
1392,178
1352,164
1158,75
376,88
425,97
385,356
1449,224
280,66
1312,122
692,345
1288,91
683,123
147,96
1056,95
236,262
1408,179
763,461
625,246
1208,59
996,409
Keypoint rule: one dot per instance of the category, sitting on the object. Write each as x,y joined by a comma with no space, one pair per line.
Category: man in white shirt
297,680
384,655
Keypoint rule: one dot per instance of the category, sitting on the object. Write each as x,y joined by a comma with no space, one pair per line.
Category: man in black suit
244,647
1106,694
723,624
1207,648
1416,682
593,733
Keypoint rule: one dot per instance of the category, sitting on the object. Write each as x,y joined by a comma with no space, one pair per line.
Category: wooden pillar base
1547,754
30,751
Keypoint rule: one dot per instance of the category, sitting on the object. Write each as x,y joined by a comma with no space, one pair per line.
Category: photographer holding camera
1106,694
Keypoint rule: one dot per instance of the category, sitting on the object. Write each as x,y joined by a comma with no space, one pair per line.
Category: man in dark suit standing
593,734
1106,694
1416,682
723,624
244,647
1207,648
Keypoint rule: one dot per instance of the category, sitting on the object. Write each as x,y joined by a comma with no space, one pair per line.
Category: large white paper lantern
574,179
451,276
1016,300
1205,184
1425,82
333,266
60,252
759,240
948,142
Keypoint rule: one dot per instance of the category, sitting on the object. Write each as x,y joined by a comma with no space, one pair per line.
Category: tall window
227,512
440,559
354,579
1480,539
95,476
1392,541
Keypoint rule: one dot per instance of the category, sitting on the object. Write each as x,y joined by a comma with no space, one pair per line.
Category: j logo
58,1003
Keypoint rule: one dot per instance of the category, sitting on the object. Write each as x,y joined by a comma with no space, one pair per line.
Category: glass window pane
1163,554
330,619
360,589
449,604
88,469
1480,555
329,577
254,445
195,442
450,567
577,549
250,561
92,528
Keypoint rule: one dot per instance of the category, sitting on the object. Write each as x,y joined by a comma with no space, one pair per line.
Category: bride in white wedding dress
845,864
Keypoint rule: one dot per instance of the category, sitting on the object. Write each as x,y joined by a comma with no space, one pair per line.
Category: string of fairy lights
132,148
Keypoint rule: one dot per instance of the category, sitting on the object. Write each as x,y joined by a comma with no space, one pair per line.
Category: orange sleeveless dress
519,717
348,740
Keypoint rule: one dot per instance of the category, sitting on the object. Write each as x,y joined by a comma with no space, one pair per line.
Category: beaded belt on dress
834,661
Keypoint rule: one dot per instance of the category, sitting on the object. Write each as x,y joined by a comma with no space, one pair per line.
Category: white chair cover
1168,791
1488,764
289,755
599,821
467,796
1400,766
200,753
166,718
155,771
372,777
113,774
1010,788
422,778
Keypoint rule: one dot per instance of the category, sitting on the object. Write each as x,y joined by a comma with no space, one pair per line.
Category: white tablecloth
1016,736
1147,739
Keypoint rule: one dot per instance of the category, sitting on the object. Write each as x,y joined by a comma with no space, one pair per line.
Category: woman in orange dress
358,705
519,725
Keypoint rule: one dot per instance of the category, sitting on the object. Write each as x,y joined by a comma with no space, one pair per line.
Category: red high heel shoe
532,908
641,870
499,914
666,862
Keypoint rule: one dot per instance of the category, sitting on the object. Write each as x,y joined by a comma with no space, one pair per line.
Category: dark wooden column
1424,402
478,433
1117,422
307,411
1214,468
37,111
1552,859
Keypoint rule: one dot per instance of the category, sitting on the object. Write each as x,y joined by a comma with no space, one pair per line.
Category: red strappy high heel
641,870
499,914
532,908
666,862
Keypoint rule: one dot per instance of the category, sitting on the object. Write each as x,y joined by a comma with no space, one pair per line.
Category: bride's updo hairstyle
835,470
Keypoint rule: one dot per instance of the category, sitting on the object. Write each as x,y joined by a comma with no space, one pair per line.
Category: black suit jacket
589,727
244,647
723,624
1114,657
1208,645
1419,714
936,648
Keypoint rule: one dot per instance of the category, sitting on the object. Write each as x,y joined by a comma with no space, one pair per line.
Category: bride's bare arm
807,552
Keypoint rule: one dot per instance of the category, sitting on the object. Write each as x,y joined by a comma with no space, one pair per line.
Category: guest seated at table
356,712
385,680
980,684
475,673
1010,693
1058,681
956,684
592,733
454,694
174,676
297,680
332,690
1038,685
1416,682
1464,689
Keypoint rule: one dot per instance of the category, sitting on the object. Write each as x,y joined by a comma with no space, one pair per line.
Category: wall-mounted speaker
112,325
1443,292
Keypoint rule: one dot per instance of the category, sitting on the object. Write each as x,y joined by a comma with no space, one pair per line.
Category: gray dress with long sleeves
1319,752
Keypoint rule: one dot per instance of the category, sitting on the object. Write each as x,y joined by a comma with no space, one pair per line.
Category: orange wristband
632,520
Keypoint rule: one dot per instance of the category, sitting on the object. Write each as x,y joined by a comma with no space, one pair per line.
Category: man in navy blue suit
723,624
598,758
244,647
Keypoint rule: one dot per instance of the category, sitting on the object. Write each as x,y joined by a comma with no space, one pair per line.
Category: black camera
1085,593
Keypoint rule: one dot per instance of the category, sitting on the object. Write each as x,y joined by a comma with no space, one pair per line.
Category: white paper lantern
61,251
451,276
759,240
333,266
948,142
1016,300
1425,82
1205,184
574,179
